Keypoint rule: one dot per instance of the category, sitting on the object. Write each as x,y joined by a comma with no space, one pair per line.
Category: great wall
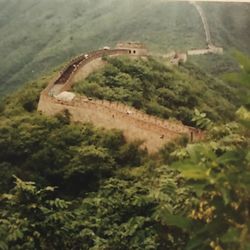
211,48
176,58
136,125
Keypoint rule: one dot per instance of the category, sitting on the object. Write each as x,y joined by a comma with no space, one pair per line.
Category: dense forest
68,185
163,90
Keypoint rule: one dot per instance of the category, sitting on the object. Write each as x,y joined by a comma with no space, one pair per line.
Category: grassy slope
47,33
229,24
36,36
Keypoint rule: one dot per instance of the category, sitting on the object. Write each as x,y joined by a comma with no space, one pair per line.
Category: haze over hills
37,36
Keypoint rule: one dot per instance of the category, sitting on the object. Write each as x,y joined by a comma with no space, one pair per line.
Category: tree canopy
70,186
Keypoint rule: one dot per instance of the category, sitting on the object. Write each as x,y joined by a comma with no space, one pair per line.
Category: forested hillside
163,90
39,35
70,186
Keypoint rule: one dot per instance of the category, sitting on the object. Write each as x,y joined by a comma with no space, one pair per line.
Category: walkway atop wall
75,64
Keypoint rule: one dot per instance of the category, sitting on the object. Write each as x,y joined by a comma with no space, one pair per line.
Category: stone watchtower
135,48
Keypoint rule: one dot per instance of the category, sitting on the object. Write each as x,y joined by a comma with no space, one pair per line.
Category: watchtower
135,48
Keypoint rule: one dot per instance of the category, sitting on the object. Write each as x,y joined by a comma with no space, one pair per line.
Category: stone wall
136,125
210,50
134,48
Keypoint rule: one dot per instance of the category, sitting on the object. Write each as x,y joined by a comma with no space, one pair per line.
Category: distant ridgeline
136,125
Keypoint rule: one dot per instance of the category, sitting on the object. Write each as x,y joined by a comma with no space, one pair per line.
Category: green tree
218,172
31,219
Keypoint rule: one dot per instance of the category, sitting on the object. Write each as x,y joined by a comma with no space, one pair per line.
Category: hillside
162,90
38,36
67,185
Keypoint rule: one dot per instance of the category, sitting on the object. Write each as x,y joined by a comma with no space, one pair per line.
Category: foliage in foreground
121,215
204,206
218,173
